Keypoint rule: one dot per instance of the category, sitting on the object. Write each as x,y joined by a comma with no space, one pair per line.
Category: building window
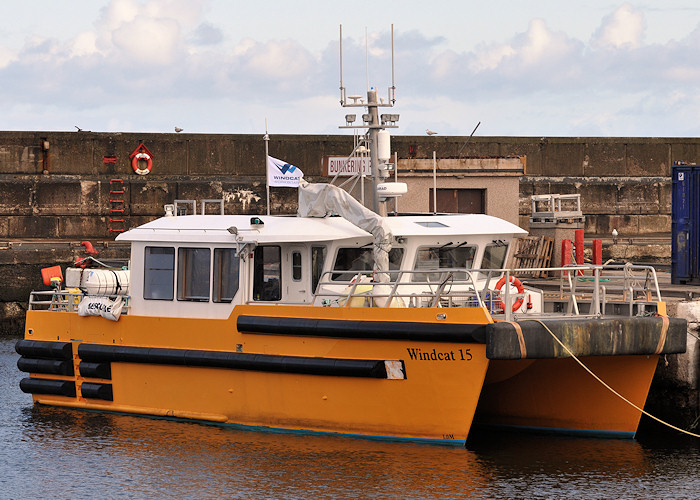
267,274
193,274
226,274
296,265
318,258
459,201
159,273
444,257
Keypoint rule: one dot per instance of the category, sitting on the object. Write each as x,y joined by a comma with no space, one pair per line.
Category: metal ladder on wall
117,206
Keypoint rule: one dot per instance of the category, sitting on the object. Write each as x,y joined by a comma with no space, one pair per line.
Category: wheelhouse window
362,259
267,274
296,265
495,256
226,274
444,257
318,258
159,273
193,274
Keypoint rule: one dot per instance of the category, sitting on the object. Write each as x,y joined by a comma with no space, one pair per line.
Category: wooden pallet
532,251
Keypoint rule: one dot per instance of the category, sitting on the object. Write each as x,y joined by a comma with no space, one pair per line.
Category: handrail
458,287
65,301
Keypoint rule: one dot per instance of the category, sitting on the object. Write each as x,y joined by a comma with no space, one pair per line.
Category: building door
459,201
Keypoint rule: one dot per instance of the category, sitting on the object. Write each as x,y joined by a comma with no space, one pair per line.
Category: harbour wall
57,184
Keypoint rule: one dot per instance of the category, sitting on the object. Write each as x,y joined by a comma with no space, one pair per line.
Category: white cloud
6,56
207,34
623,29
116,13
83,45
149,40
244,46
187,13
541,44
489,58
285,59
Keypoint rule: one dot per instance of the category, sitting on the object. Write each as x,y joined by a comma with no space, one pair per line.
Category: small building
484,185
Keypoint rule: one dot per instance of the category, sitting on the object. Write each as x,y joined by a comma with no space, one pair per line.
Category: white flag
281,173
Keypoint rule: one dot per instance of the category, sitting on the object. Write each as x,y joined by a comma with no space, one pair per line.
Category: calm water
57,453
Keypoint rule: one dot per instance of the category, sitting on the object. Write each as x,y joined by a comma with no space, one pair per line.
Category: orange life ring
517,284
135,163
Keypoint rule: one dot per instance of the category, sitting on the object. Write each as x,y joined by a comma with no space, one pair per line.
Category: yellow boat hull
559,395
418,374
434,400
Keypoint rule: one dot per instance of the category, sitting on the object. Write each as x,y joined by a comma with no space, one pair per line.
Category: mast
373,141
372,120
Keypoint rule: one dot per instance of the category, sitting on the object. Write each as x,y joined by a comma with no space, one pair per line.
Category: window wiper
452,248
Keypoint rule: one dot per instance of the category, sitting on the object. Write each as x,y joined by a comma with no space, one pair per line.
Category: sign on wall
347,167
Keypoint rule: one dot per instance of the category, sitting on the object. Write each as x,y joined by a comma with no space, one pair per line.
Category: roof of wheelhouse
289,229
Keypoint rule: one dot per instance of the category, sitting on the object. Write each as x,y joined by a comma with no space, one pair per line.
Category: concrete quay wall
57,184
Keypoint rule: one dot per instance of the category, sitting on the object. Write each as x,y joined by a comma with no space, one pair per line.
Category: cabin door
298,275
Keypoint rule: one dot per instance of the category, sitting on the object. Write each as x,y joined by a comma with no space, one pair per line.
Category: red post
565,254
597,252
578,247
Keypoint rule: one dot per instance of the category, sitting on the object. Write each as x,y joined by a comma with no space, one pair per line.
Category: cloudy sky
521,68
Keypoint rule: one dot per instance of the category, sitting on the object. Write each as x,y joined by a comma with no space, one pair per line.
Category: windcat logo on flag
282,174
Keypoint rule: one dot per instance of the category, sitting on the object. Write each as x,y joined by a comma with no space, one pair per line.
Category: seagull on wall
430,132
178,130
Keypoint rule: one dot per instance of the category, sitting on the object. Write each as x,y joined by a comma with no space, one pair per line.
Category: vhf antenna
391,90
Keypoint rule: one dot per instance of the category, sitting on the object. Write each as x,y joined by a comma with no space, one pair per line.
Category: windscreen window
444,257
494,256
356,260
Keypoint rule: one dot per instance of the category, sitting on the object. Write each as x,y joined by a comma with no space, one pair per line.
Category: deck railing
579,290
64,300
596,287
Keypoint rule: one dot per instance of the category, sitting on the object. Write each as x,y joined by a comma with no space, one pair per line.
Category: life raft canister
135,163
517,284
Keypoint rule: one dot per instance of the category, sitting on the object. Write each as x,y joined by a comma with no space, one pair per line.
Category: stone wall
64,191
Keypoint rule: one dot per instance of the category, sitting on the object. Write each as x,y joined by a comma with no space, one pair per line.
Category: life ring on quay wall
135,163
517,284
